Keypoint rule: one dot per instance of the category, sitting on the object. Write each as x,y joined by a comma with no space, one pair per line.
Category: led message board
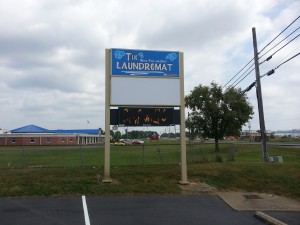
145,116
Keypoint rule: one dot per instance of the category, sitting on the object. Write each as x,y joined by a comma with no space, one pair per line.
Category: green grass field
149,169
163,153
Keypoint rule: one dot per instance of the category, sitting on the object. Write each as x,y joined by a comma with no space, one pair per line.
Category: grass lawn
151,169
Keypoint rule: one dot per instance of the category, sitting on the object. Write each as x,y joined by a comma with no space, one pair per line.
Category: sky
52,54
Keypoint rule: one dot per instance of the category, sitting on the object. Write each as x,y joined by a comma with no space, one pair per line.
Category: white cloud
52,53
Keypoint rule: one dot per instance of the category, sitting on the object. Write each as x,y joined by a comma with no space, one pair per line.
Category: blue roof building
35,135
80,131
30,129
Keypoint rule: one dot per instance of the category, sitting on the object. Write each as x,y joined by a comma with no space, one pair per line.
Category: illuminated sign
145,116
127,62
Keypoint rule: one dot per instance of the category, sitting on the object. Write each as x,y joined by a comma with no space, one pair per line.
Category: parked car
154,137
137,142
119,143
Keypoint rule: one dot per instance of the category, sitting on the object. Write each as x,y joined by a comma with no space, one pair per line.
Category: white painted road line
85,210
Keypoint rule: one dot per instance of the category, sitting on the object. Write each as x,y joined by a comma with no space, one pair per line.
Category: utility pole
249,134
189,128
259,101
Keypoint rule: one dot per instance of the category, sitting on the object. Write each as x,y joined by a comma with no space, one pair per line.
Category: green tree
117,136
216,114
112,133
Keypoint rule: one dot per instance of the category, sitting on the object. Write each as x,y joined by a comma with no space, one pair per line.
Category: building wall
36,140
254,136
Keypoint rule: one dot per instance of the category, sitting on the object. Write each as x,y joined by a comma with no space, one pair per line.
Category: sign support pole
107,178
182,125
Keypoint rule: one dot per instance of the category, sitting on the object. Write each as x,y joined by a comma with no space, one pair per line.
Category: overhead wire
280,42
296,49
273,70
242,78
237,80
270,72
279,34
288,60
270,57
238,72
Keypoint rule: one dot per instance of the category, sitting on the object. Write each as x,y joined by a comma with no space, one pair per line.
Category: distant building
255,136
33,135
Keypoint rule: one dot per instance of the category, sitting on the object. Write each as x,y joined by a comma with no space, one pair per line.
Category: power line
279,42
250,87
236,82
244,77
270,72
279,34
263,55
273,70
238,72
270,57
296,49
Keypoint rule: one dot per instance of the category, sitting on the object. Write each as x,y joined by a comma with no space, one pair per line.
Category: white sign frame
135,91
154,92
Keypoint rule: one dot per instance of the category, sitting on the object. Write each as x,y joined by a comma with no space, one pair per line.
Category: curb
268,219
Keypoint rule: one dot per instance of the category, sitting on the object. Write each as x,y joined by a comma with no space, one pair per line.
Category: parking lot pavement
41,211
139,210
166,210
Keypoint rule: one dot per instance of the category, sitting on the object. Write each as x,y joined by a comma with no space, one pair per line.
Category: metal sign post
107,178
182,126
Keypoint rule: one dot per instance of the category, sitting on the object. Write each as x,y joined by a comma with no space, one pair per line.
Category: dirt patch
196,187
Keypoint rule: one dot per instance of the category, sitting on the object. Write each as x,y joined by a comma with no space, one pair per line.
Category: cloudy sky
52,53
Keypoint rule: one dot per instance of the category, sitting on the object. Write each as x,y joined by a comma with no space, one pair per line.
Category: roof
31,129
36,129
78,131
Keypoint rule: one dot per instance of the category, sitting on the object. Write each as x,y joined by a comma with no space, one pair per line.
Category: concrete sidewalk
276,209
259,202
249,201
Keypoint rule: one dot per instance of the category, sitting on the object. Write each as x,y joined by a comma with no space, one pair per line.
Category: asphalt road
133,210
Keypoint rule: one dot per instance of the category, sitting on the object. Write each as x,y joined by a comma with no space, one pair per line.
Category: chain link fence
129,155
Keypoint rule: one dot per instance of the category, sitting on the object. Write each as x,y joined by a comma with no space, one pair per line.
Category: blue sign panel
145,63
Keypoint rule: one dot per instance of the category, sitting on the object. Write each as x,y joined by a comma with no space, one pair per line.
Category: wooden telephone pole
259,101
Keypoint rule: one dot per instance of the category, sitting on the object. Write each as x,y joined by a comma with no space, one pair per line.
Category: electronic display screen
145,116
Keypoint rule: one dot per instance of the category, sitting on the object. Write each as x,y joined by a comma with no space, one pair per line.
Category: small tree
217,114
117,136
